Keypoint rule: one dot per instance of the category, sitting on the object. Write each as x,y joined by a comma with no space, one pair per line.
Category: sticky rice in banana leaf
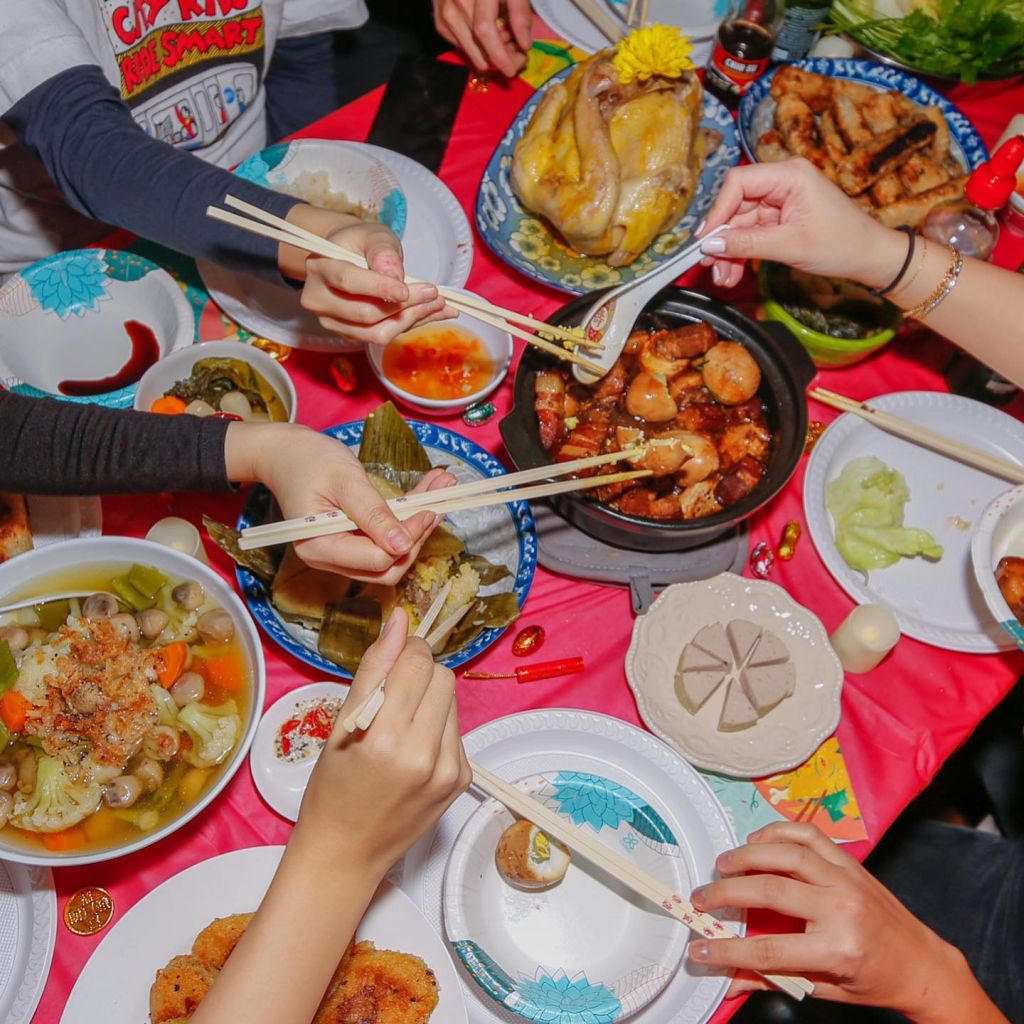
348,615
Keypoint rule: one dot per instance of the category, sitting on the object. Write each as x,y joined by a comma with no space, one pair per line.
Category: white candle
865,637
179,534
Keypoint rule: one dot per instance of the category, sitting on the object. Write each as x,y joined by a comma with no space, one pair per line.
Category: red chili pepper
531,673
317,723
227,416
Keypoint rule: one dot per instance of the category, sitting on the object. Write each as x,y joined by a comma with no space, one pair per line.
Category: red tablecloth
898,725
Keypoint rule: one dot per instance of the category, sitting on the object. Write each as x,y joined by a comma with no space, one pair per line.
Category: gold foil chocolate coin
89,911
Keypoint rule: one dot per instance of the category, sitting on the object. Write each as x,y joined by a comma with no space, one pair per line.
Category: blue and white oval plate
526,242
757,108
503,534
63,323
584,951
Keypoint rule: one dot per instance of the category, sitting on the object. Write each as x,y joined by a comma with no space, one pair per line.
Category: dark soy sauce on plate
145,352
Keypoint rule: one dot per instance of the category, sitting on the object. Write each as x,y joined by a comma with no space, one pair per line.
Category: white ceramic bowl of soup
998,533
50,570
496,344
162,376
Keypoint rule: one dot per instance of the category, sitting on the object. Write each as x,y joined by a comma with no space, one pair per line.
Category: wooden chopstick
447,624
484,486
923,436
619,868
464,302
631,12
600,19
362,717
292,530
644,13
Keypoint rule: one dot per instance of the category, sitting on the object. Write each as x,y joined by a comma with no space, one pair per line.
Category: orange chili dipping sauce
438,361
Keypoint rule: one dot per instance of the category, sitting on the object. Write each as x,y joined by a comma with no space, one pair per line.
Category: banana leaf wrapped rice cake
347,615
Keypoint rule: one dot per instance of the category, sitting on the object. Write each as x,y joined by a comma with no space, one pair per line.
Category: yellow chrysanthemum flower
657,50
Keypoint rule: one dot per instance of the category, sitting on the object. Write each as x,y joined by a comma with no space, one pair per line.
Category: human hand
489,38
308,473
373,305
791,213
860,944
373,794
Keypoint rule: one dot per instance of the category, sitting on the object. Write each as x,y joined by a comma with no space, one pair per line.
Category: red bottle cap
990,185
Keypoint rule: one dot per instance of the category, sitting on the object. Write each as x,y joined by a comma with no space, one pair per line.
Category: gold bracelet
945,286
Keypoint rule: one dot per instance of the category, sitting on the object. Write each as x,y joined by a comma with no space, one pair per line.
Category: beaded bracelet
945,286
909,232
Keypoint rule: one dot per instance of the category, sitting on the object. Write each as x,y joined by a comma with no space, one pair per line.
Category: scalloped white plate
788,734
28,932
437,243
114,985
566,740
939,603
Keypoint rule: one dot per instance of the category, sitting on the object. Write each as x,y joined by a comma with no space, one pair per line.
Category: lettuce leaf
867,502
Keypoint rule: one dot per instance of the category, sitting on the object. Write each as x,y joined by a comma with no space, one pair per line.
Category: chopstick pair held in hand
362,716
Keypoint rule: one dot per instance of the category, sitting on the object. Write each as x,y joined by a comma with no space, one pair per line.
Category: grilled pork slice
921,173
884,153
737,711
914,209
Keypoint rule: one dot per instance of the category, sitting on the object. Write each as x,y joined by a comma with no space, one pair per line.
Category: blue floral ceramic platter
350,170
526,242
757,108
63,319
584,951
504,534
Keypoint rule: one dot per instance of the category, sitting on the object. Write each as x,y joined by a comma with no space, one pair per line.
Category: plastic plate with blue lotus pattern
352,174
63,322
757,108
503,534
586,951
527,242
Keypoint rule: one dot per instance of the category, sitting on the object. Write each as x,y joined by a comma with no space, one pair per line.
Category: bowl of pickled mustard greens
838,322
123,711
219,378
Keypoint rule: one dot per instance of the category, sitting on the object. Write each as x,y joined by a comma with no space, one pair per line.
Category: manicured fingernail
438,520
398,540
725,860
429,293
699,950
388,625
697,896
714,246
700,227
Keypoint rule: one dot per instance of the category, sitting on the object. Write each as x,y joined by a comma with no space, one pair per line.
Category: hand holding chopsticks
259,222
585,845
478,494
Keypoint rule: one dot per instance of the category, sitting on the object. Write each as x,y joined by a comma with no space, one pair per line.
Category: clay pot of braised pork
740,487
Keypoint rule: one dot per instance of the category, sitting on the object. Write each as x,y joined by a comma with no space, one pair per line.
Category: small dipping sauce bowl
443,367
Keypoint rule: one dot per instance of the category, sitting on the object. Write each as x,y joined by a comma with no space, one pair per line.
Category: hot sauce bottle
743,48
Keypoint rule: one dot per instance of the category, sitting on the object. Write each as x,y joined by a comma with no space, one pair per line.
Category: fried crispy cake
370,985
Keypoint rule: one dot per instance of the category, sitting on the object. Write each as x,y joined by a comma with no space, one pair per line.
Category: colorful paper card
818,791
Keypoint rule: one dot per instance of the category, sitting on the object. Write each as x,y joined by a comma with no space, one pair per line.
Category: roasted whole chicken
688,398
612,166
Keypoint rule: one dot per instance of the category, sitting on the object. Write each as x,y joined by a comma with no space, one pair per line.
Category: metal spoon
29,602
612,317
